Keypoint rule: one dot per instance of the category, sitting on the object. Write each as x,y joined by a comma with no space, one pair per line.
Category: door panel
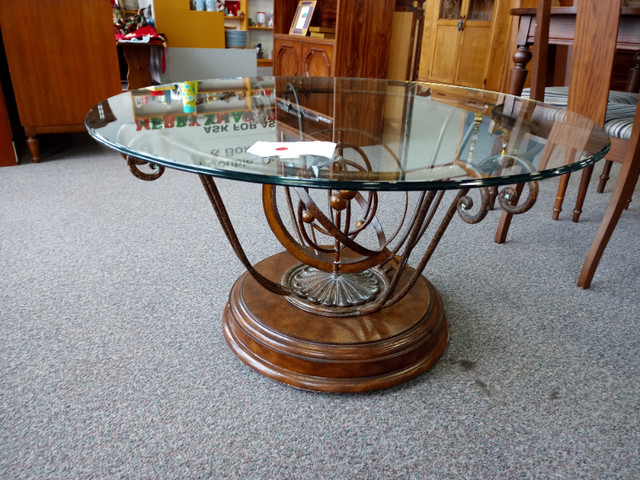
450,9
474,55
463,42
443,68
480,10
287,57
316,58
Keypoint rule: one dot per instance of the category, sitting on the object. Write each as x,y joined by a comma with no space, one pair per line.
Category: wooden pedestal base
316,352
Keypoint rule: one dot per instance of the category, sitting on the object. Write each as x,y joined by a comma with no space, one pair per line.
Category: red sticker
281,148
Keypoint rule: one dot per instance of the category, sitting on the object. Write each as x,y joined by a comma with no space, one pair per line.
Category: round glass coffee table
345,307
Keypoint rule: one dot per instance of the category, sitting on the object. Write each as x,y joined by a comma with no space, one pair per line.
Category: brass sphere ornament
307,217
338,202
348,194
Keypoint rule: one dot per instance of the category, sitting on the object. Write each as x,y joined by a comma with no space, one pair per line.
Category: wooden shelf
260,28
240,22
265,62
301,38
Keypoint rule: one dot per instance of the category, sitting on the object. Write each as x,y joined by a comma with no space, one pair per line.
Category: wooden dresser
63,60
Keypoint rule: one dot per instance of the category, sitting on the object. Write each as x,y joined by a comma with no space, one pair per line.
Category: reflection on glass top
347,133
480,10
450,9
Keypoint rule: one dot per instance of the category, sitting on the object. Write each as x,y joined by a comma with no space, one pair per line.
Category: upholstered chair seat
621,109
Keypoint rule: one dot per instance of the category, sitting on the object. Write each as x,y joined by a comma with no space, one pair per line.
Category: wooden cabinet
360,47
63,60
464,42
297,57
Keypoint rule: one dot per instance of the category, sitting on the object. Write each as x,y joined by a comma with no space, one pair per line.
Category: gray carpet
113,363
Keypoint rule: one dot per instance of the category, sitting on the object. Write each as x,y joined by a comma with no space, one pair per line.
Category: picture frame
302,18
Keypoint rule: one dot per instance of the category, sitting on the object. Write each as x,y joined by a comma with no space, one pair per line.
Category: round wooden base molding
341,355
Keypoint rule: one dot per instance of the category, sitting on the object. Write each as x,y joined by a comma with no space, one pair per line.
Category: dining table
359,180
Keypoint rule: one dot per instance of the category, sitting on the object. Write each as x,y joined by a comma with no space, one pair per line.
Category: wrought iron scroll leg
427,256
506,217
432,246
216,201
148,177
414,237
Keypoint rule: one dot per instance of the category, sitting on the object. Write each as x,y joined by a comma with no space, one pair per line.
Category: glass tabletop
346,133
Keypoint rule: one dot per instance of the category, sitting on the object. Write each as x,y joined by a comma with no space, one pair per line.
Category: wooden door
459,38
316,58
446,41
287,57
475,43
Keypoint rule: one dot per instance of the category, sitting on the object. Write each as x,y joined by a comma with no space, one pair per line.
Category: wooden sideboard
63,60
360,47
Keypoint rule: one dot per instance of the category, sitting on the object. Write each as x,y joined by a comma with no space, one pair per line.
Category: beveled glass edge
382,185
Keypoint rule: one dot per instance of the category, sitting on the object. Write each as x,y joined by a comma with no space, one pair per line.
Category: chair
537,90
588,94
595,40
626,183
597,49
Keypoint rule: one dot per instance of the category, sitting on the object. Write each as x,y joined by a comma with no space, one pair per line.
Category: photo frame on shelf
302,18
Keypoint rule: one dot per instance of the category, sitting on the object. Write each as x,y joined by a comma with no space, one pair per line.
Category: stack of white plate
235,38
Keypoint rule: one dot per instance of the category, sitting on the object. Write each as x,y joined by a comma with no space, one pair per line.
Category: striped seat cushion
619,120
620,110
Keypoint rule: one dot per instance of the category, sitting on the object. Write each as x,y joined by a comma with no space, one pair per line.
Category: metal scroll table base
364,344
